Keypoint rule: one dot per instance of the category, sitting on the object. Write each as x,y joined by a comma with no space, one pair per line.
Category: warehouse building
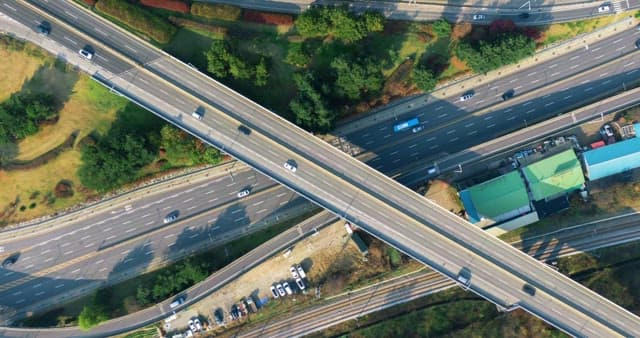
614,158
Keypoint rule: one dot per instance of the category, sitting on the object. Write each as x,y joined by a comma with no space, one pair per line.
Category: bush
267,18
22,113
216,11
442,28
153,26
180,22
489,55
339,22
423,78
309,107
170,5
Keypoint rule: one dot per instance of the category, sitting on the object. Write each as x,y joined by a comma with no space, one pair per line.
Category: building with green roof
554,176
496,200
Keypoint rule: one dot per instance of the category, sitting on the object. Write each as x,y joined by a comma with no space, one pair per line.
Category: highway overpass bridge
332,179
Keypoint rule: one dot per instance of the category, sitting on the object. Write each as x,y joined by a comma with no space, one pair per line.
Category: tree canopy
320,21
504,49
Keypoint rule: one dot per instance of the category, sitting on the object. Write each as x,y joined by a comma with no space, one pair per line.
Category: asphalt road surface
539,13
373,201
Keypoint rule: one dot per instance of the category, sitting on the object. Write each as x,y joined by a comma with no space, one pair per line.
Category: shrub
180,22
489,55
90,2
339,22
267,18
153,26
442,28
216,11
170,5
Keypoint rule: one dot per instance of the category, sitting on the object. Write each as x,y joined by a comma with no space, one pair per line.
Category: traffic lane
521,112
62,36
106,263
114,224
450,109
97,29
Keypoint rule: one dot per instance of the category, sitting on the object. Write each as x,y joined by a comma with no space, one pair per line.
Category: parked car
479,17
294,272
218,316
300,284
197,324
607,131
466,96
604,9
280,290
274,292
244,193
235,313
287,288
301,271
192,326
291,166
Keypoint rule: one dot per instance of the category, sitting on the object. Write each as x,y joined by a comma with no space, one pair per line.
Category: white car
300,283
604,9
170,218
244,193
86,53
290,166
287,288
197,115
479,17
417,129
301,272
192,326
280,290
466,96
197,323
294,272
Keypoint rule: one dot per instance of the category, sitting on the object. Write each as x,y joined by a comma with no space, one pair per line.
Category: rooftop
554,175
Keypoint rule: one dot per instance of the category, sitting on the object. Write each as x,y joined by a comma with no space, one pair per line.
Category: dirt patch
460,31
444,194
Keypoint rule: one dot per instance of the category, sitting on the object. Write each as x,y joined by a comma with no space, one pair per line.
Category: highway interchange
109,59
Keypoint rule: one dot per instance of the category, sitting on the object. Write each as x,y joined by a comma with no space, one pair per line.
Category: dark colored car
218,316
9,261
524,15
245,130
529,289
44,28
508,94
638,43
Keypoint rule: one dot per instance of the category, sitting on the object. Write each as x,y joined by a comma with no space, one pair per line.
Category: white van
177,302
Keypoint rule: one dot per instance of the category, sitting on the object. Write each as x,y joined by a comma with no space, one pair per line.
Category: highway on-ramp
373,201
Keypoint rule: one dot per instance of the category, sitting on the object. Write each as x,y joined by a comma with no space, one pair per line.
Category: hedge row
170,5
216,11
181,22
267,18
139,19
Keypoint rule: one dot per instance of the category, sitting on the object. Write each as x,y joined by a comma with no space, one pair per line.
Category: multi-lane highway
264,126
539,12
376,203
550,246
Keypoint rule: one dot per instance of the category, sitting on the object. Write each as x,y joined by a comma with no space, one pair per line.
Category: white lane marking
575,66
76,270
529,111
527,103
240,219
169,235
130,48
194,235
85,237
68,253
386,136
210,192
574,57
236,211
553,66
629,64
472,132
257,203
127,222
603,74
45,252
439,107
394,152
605,82
130,230
127,260
65,244
567,97
11,8
48,259
442,115
511,118
616,41
281,194
89,245
430,148
585,81
631,72
532,73
102,58
454,139
469,125
479,102
188,200
494,87
413,145
70,40
145,215
102,269
432,138
451,131
261,211
488,118
596,49
548,104
71,15
491,125
99,261
598,57
518,87
149,223
397,160
535,81
191,208
508,110
125,252
110,237
106,229
554,74
37,286
588,89
514,80
28,266
39,293
213,200
148,253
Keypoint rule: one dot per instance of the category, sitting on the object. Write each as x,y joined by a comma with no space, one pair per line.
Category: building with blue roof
614,158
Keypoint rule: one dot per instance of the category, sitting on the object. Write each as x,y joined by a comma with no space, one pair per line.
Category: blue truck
406,125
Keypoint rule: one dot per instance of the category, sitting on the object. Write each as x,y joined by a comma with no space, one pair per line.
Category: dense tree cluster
97,311
356,78
224,60
441,28
338,22
502,49
309,107
179,277
22,113
138,18
178,143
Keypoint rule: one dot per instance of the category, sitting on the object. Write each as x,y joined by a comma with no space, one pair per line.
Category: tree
373,21
442,28
222,61
338,21
91,315
262,73
357,78
309,107
502,50
424,78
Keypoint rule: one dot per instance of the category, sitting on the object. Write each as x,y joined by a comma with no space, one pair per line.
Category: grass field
87,106
563,31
